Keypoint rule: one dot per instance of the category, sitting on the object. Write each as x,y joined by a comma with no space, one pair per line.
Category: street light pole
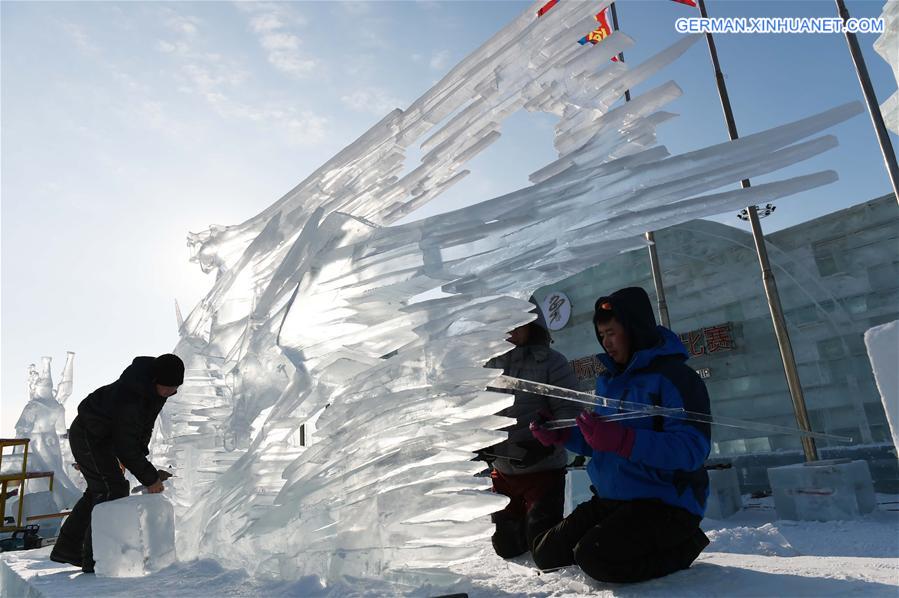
649,235
774,304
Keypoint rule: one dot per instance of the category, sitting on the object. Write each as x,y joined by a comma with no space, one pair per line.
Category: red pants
536,504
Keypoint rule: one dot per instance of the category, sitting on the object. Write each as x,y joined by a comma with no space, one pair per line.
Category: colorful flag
549,5
687,2
601,32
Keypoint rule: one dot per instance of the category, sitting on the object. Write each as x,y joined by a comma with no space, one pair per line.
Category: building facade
838,276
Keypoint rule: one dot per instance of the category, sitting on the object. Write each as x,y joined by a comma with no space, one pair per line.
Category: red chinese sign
705,341
709,340
587,368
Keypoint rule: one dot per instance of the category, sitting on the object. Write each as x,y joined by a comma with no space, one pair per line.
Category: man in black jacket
113,430
531,475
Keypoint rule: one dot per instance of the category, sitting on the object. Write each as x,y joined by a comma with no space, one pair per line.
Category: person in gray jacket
530,474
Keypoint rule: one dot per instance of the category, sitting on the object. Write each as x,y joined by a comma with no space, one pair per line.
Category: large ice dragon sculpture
314,311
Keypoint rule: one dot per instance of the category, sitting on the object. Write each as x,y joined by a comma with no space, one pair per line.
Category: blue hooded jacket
666,462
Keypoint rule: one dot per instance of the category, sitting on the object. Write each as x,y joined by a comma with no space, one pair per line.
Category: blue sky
126,125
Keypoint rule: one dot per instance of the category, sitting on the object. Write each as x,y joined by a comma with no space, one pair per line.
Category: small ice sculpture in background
43,421
887,45
314,312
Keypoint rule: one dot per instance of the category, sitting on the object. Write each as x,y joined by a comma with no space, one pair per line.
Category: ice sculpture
43,420
133,536
887,45
882,344
315,313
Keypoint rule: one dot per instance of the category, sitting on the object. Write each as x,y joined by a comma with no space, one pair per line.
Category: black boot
509,539
60,555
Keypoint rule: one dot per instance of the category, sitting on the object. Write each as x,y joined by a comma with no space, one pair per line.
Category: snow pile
882,343
765,540
887,45
133,536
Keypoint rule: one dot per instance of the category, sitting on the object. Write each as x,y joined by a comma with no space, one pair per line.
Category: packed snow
751,554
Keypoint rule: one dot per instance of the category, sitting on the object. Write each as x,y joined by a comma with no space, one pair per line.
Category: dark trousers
537,501
105,481
622,541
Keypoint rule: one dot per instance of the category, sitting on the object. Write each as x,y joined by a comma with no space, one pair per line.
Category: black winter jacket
122,414
537,363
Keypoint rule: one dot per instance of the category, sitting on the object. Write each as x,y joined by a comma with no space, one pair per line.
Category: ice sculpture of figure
887,45
43,420
312,313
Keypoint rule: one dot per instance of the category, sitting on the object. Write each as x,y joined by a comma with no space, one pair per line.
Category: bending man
115,424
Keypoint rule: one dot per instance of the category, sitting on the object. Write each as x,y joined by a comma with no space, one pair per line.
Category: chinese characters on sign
587,368
705,341
709,340
556,310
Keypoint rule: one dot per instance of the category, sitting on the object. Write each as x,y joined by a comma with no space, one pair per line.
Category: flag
601,32
687,2
549,5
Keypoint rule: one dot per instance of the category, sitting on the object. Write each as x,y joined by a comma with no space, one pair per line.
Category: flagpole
774,304
864,79
650,236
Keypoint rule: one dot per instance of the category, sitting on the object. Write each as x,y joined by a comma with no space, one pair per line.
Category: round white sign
556,310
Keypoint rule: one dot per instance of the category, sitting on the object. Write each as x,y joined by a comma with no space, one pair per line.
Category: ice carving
882,344
313,313
43,420
836,489
887,45
724,494
133,536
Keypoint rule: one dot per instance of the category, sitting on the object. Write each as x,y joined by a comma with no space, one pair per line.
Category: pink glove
605,436
548,437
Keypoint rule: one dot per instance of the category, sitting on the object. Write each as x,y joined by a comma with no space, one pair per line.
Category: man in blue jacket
647,472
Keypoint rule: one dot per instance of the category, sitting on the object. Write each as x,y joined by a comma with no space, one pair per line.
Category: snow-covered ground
751,554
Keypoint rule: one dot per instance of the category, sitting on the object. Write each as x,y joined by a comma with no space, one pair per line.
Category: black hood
633,309
540,334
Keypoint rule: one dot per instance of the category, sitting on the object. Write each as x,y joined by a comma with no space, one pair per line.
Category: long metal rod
864,79
657,280
774,304
587,398
650,236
